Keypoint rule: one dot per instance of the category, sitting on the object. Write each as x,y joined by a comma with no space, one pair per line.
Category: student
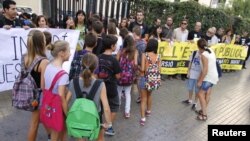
146,95
208,77
194,70
140,47
61,53
36,48
90,44
109,71
128,62
86,81
80,24
48,38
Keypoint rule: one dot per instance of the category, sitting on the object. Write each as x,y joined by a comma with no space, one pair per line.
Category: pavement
171,120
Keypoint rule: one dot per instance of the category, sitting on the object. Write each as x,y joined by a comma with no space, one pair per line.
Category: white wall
36,5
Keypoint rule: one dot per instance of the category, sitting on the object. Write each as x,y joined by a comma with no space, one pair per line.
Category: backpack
152,74
127,74
140,46
51,111
105,72
83,120
219,70
25,92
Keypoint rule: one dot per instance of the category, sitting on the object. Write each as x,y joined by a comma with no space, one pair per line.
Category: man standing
181,34
157,22
245,41
139,22
196,33
8,19
168,30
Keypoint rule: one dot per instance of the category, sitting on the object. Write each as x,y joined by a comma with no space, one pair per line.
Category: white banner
13,45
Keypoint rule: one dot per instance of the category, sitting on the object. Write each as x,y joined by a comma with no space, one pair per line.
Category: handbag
51,112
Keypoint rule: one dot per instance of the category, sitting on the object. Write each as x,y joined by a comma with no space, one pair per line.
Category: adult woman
36,48
208,77
80,24
227,38
157,33
41,22
124,23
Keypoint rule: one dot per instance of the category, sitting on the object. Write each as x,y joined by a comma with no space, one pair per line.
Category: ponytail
86,75
89,64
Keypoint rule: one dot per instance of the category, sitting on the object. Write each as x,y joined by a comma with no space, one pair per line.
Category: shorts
113,97
192,85
206,85
142,82
114,104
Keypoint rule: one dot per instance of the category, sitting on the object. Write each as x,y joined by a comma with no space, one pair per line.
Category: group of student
119,61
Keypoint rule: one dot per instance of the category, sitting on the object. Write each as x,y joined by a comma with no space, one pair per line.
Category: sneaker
194,107
127,115
142,122
187,102
148,113
138,100
110,131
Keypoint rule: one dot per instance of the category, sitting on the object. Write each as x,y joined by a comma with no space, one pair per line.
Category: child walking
150,78
61,52
109,71
128,62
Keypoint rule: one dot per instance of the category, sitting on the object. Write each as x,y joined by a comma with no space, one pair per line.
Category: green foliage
191,10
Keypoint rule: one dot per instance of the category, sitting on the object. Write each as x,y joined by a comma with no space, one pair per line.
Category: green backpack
83,119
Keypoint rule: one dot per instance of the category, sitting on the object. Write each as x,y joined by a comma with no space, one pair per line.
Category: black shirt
219,37
5,21
167,32
194,34
244,41
113,66
143,26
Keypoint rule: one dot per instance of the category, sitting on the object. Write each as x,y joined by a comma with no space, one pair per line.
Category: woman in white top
208,77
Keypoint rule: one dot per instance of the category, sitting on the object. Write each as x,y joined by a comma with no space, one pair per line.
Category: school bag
51,112
127,74
152,74
105,70
25,92
83,119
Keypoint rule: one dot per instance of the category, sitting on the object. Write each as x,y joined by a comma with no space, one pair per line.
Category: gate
117,9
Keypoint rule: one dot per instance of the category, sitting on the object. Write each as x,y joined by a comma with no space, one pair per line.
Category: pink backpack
51,112
127,74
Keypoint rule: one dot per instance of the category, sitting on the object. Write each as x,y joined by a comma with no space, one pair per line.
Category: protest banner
13,44
175,56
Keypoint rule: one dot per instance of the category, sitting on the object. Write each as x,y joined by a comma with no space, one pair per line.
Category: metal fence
105,8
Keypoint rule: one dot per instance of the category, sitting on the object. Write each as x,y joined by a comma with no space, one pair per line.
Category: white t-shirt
195,69
118,45
50,73
212,74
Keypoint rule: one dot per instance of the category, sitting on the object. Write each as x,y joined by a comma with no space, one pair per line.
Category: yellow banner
175,56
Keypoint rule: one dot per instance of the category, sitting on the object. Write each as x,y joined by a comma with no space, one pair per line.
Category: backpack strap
34,63
148,58
194,53
58,75
77,87
94,89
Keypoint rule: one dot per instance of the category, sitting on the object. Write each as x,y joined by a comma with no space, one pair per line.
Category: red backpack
51,112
